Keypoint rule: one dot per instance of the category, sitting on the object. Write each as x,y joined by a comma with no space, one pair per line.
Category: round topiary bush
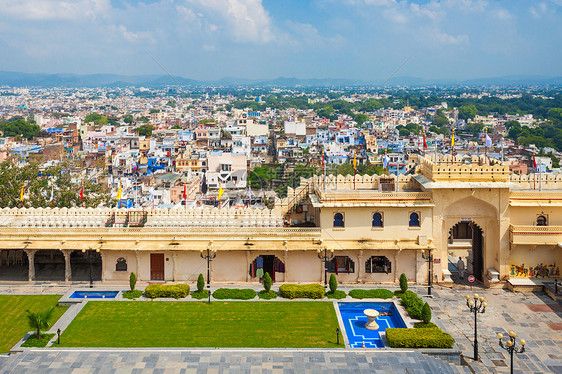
426,313
267,282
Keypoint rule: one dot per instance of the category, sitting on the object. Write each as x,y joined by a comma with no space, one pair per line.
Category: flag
534,162
424,143
185,191
151,193
119,192
453,139
488,140
204,187
21,194
82,192
221,191
354,161
385,160
249,195
52,190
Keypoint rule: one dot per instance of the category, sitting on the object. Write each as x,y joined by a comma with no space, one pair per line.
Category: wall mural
539,271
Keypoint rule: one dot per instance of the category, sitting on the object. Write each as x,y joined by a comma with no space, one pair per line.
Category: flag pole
453,146
354,167
324,165
485,144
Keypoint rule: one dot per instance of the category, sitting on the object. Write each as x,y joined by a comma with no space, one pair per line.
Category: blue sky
357,39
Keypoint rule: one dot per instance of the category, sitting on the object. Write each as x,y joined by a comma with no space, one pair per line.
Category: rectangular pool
94,295
354,321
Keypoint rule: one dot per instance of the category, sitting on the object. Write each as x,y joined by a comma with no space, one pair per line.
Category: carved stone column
285,258
67,267
31,263
395,266
361,267
137,255
322,268
103,260
248,262
175,271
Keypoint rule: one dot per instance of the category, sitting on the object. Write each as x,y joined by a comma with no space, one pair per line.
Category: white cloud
133,37
247,20
53,9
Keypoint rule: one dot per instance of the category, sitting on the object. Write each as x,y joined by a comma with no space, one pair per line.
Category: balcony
535,235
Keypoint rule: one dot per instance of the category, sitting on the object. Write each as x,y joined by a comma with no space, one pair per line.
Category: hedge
413,304
263,294
132,294
176,291
336,294
200,295
234,293
302,291
418,338
371,294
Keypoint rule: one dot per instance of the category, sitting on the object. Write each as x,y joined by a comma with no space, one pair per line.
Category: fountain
372,315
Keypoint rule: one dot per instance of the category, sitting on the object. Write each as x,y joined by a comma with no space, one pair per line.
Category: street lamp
325,257
476,305
211,254
510,347
90,260
429,260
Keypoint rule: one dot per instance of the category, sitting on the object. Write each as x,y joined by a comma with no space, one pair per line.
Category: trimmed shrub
371,294
302,291
133,294
234,293
403,283
132,281
267,295
333,283
200,283
176,291
413,304
419,338
32,340
426,313
267,282
423,325
336,295
200,294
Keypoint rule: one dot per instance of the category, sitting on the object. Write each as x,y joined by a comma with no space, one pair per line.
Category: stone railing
536,195
535,235
98,217
374,196
546,181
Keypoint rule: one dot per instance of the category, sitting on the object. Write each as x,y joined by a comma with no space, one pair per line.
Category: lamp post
325,257
90,260
209,256
476,305
429,259
510,346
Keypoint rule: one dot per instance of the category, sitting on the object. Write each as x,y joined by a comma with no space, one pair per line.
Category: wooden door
157,266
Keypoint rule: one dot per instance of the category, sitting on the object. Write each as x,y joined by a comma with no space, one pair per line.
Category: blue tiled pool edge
351,320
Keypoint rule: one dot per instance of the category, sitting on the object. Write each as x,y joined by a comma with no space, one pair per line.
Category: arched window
338,220
377,220
541,221
378,264
121,264
341,264
414,220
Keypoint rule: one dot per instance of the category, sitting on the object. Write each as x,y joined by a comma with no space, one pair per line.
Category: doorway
466,242
157,266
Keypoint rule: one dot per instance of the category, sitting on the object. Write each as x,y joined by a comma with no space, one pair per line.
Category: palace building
370,228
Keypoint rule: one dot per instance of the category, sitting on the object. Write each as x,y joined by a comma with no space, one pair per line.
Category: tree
128,118
40,320
468,112
403,283
426,313
267,282
18,126
96,118
145,130
333,283
200,283
361,119
133,281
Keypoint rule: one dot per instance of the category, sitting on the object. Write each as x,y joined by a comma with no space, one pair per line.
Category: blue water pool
94,295
354,322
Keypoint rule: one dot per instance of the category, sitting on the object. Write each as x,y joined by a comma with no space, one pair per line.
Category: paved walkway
225,361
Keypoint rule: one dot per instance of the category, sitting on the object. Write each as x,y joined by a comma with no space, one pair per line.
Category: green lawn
13,323
198,324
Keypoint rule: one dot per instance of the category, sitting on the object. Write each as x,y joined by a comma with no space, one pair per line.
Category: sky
368,40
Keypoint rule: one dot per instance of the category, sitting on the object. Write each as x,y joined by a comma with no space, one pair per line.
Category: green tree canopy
96,118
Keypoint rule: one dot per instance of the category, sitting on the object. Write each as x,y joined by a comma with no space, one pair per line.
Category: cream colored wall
531,257
229,266
527,216
109,260
303,266
358,223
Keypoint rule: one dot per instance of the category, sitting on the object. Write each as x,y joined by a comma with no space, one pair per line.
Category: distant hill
16,79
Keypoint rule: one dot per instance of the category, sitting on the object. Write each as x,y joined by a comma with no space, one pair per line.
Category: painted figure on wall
539,271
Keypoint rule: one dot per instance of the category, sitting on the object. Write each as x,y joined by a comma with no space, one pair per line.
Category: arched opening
49,265
266,264
339,220
80,265
465,251
13,265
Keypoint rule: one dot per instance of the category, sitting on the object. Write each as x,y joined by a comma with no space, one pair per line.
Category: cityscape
269,206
